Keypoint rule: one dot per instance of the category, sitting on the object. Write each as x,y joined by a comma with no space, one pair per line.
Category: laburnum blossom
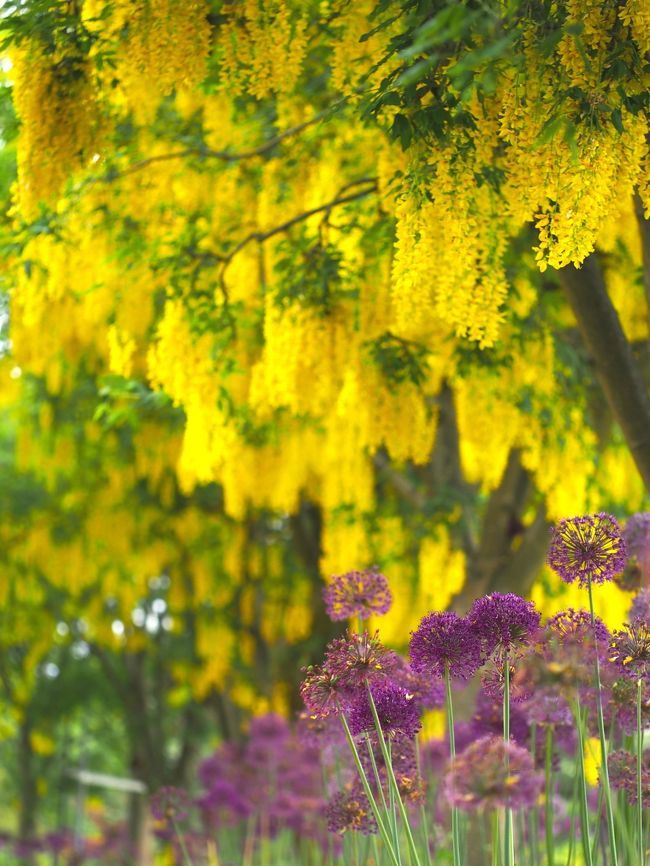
589,549
445,641
491,774
357,593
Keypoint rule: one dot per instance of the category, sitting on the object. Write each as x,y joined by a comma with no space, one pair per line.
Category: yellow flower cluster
262,47
55,102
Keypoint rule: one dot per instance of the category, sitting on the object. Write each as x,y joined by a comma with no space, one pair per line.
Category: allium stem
603,742
368,792
585,835
533,822
455,826
423,818
548,797
639,768
186,857
508,835
392,781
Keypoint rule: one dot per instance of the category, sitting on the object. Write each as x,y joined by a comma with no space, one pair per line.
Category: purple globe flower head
640,611
494,676
547,707
589,549
357,593
269,728
396,709
445,641
504,621
630,650
170,804
350,810
429,693
637,538
575,627
320,733
622,775
491,774
488,719
357,659
621,706
322,692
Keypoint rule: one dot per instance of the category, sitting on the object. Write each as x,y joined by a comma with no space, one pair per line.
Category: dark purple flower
504,620
494,675
357,593
622,704
396,709
445,641
322,692
630,650
429,693
590,549
546,706
637,538
488,719
170,804
623,775
491,774
350,810
640,611
357,659
575,627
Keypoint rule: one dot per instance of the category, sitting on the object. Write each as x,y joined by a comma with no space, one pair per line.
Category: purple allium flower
494,675
491,774
640,611
637,538
357,593
630,650
350,810
170,804
396,709
503,620
622,775
488,719
622,704
429,693
575,627
321,691
547,707
590,549
357,659
445,641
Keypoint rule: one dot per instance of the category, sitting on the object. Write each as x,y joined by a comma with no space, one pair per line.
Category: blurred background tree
291,288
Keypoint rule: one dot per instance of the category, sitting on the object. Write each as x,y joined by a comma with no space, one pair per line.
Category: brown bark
614,361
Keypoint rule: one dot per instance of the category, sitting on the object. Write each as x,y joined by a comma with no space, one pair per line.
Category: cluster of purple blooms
366,697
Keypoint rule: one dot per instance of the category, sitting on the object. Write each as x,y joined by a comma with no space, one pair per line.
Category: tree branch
616,367
223,155
644,231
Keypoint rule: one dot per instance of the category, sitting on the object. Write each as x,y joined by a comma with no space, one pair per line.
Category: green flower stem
455,827
533,820
508,834
375,771
181,841
383,832
392,781
639,768
548,798
423,817
604,769
585,835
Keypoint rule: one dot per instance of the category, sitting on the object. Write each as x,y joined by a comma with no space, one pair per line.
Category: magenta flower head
574,632
445,641
322,692
640,611
503,620
630,650
623,775
350,810
397,711
357,659
170,804
491,774
590,549
357,593
637,538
